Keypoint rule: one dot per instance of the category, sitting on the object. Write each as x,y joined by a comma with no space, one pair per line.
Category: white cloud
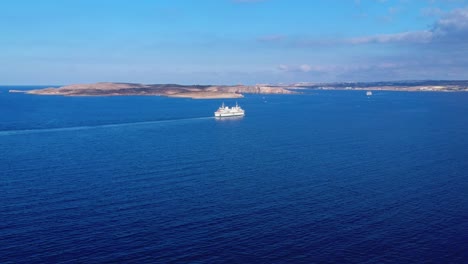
432,11
413,37
438,52
271,38
283,67
453,23
451,26
305,68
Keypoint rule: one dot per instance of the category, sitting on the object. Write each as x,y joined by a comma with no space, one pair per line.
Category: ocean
321,177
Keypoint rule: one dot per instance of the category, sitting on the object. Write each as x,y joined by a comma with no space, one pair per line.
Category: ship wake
75,128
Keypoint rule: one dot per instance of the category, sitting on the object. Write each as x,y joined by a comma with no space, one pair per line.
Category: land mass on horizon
237,91
407,86
170,90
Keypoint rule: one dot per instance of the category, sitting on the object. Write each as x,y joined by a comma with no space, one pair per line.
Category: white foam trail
61,129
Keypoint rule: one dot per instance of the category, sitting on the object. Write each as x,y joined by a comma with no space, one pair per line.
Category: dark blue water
327,177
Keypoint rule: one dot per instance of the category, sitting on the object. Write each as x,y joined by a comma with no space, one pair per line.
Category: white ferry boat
225,111
369,93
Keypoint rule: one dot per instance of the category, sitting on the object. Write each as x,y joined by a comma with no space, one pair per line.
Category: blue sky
231,41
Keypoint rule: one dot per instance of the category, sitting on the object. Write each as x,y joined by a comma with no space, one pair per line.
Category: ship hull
228,114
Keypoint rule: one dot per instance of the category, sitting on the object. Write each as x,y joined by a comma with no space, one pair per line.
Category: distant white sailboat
369,93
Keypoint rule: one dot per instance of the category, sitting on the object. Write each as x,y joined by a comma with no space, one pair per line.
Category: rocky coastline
169,90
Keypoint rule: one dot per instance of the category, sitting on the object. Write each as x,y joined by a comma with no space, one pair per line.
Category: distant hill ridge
171,90
409,85
236,91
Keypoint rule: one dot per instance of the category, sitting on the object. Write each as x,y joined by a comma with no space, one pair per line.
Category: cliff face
171,90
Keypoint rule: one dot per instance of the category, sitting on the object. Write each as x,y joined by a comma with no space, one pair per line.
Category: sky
231,41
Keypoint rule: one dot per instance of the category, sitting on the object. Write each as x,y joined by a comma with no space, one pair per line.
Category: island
237,91
404,86
169,90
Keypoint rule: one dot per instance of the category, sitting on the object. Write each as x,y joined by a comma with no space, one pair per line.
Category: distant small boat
369,93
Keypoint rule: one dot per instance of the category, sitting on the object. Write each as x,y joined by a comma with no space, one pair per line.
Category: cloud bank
452,26
437,52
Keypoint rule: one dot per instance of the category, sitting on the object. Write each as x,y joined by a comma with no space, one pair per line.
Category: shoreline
167,90
237,91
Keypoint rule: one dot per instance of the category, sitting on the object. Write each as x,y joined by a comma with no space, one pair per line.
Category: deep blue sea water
322,177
